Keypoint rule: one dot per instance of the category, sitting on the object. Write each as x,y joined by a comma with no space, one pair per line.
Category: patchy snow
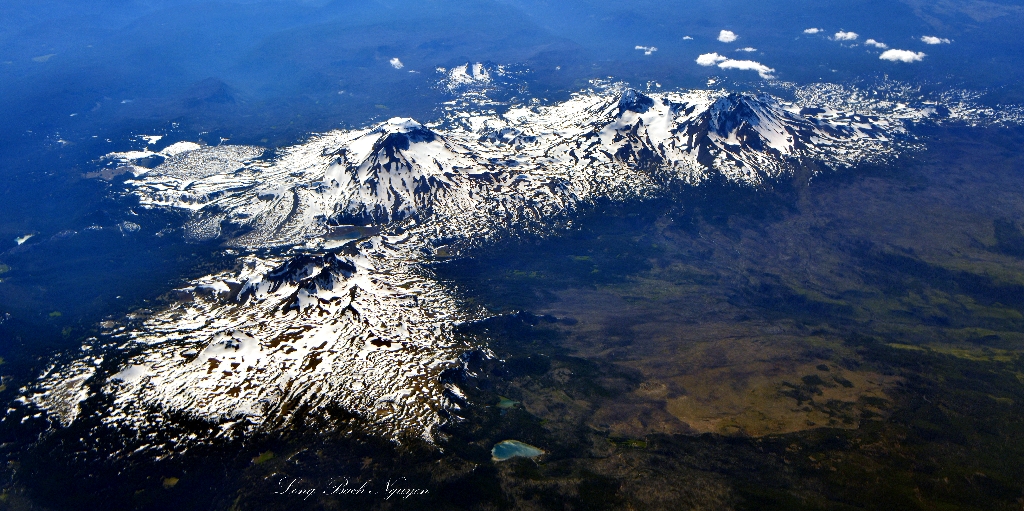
131,374
179,148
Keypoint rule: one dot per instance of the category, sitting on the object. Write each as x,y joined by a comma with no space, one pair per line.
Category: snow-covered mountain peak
394,170
633,100
390,137
481,84
469,74
734,110
402,132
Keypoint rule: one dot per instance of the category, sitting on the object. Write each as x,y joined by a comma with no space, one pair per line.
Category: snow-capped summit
468,74
481,83
743,137
634,101
749,131
393,171
304,276
744,115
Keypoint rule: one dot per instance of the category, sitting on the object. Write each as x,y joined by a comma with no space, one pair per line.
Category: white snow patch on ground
179,148
131,373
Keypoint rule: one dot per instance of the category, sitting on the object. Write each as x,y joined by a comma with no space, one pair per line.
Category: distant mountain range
618,143
344,313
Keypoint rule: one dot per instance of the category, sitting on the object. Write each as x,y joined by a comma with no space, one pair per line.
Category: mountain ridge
324,322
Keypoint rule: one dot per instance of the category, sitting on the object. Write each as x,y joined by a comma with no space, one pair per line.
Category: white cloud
647,49
747,49
813,30
845,36
748,65
713,59
876,44
710,59
901,56
397,64
727,36
687,38
930,39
